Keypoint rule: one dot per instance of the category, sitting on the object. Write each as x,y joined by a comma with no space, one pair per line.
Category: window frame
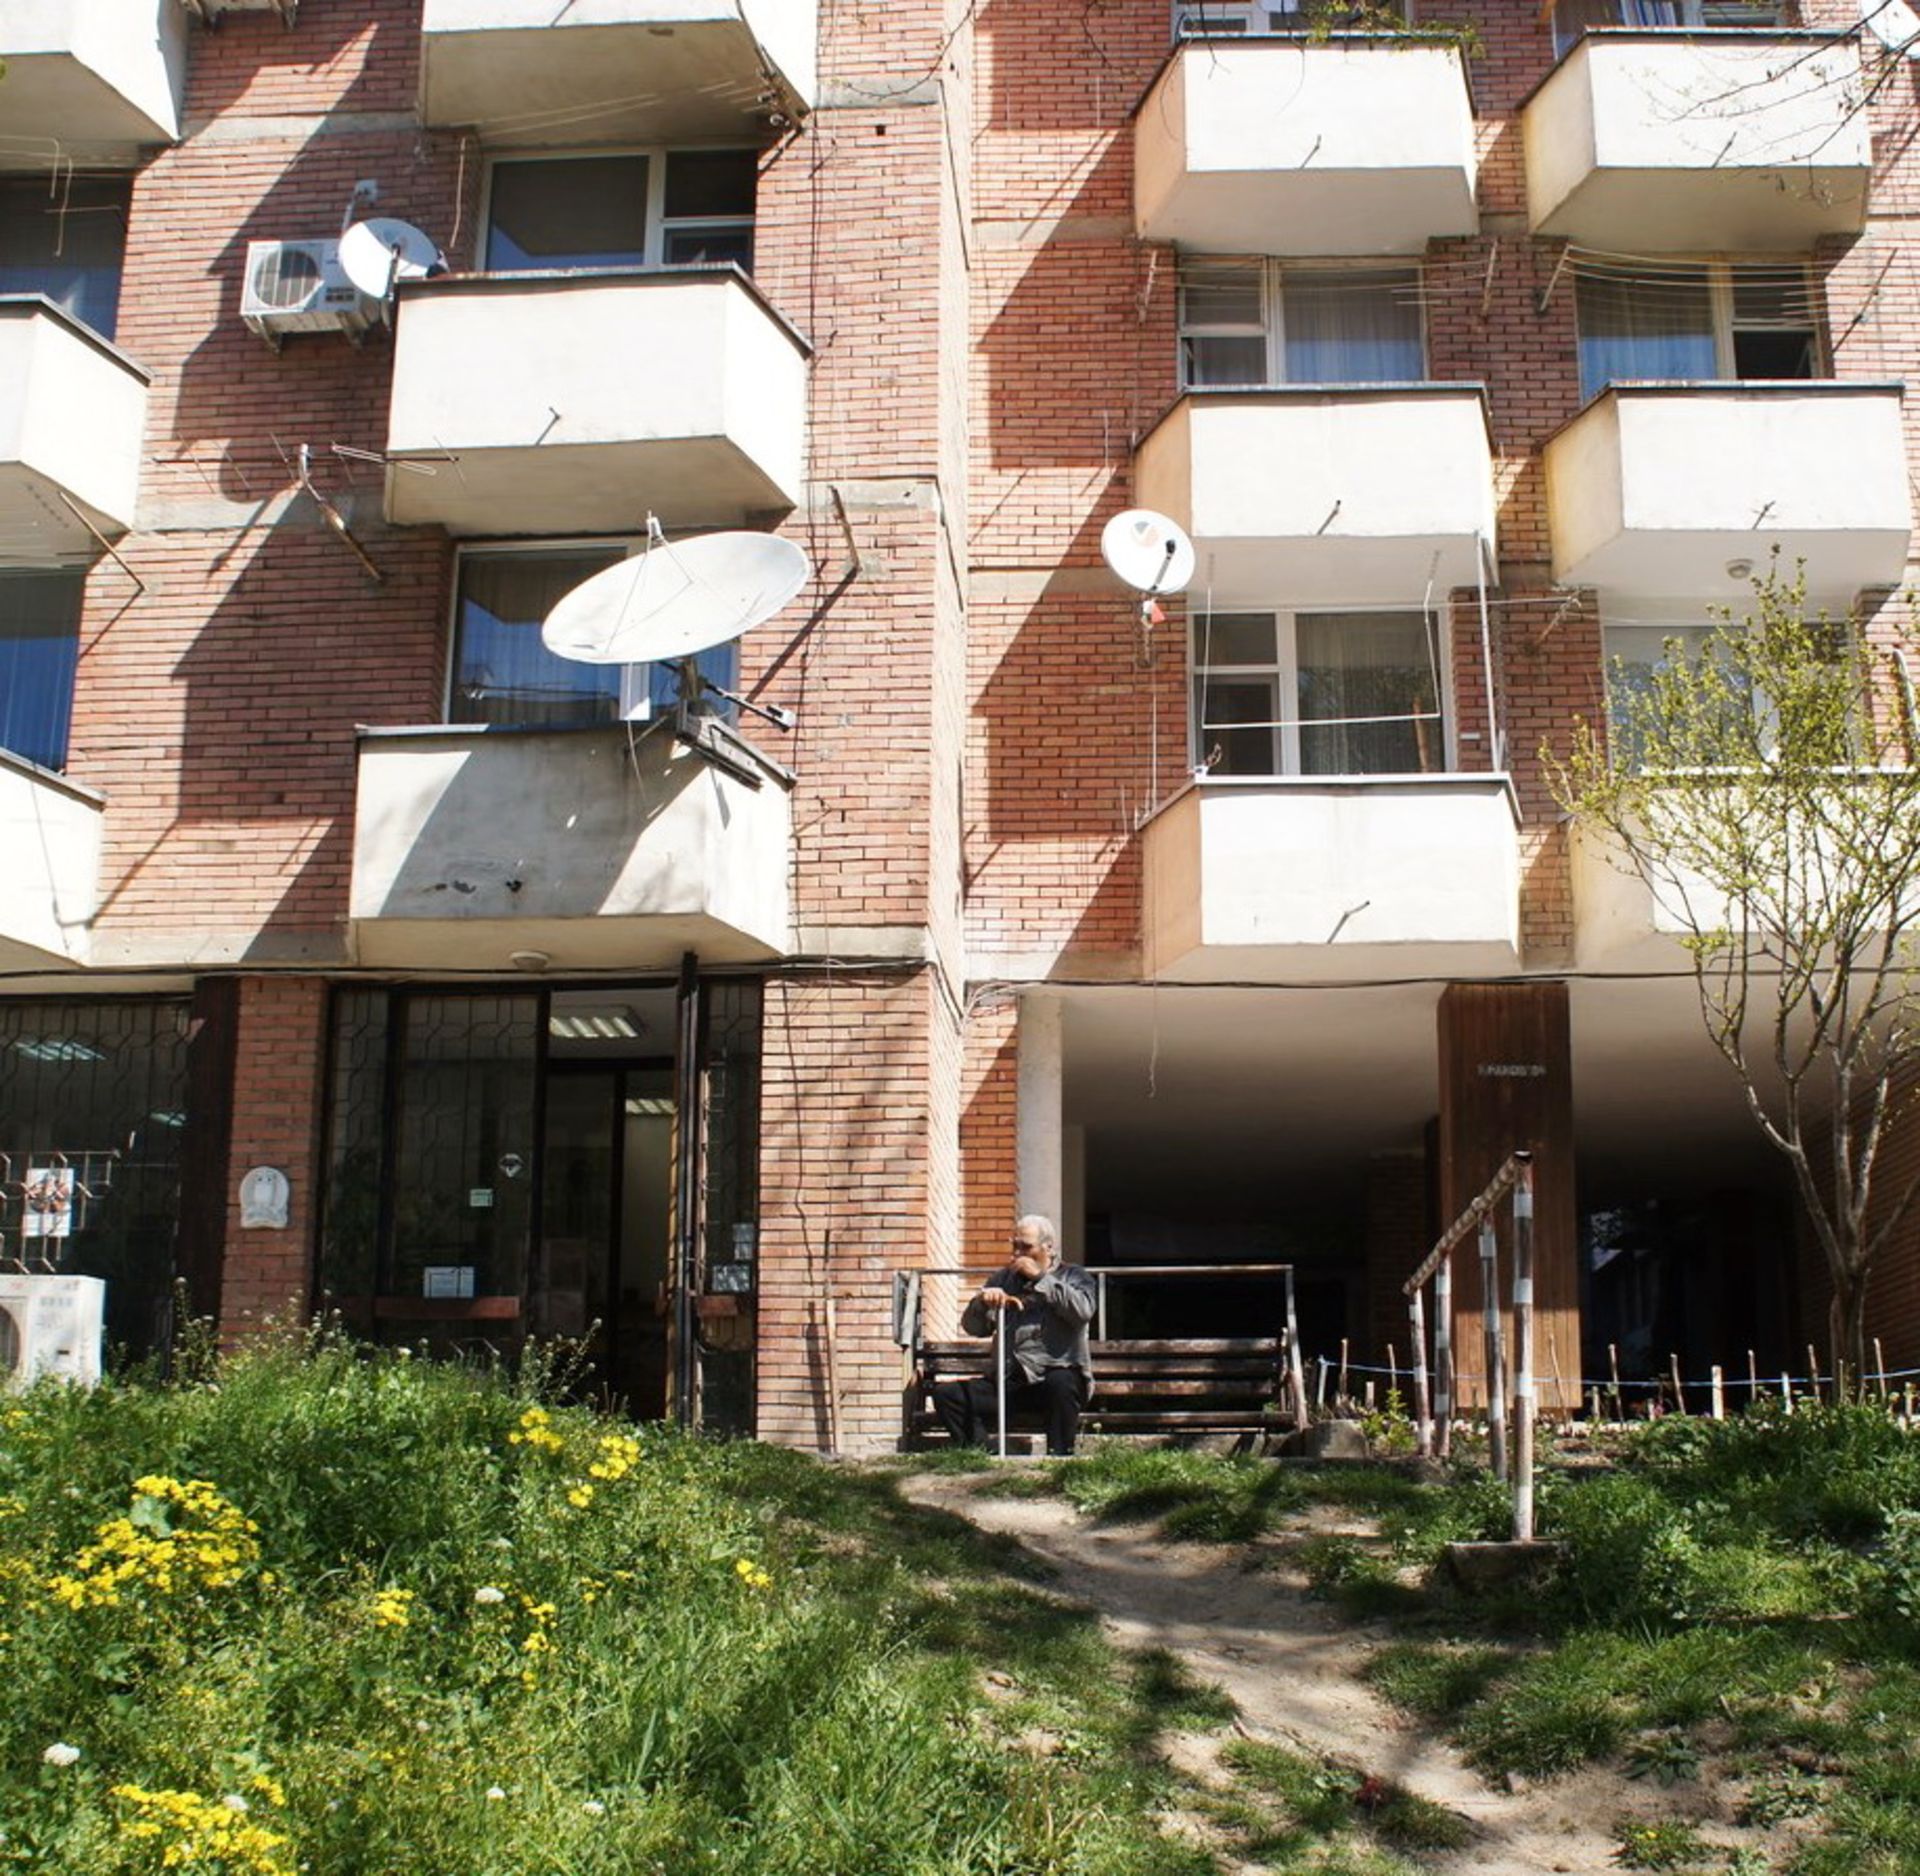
1722,273
657,223
1284,675
1273,313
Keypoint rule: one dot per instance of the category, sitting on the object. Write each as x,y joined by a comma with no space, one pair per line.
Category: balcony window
641,209
503,674
1317,693
1571,18
1202,19
1261,322
39,648
65,236
1696,322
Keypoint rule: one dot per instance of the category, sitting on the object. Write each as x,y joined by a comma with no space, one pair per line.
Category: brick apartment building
1469,359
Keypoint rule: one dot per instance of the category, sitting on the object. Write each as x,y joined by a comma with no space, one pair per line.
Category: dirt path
1242,1620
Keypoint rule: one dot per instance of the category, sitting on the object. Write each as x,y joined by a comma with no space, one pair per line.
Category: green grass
439,1651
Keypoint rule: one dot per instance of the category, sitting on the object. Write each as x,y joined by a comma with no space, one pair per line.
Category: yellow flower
202,1832
752,1575
393,1608
580,1497
536,1430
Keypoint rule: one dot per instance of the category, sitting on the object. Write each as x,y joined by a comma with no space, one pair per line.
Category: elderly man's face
1027,1242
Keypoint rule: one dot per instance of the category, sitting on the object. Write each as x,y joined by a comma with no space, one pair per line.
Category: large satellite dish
676,599
377,255
1147,550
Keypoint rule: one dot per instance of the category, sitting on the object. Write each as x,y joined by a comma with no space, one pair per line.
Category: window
1198,19
1695,321
65,236
1571,18
1317,693
502,673
39,648
1259,322
644,209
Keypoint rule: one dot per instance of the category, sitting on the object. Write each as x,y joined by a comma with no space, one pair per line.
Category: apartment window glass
1571,18
642,209
1317,693
502,673
1690,322
39,649
66,237
1199,19
1257,322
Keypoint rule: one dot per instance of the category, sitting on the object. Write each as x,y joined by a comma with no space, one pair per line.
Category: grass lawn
1739,1601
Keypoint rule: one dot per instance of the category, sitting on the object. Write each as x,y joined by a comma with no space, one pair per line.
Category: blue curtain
1654,324
39,649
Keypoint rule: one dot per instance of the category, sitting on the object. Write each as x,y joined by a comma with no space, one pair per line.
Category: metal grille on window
92,1121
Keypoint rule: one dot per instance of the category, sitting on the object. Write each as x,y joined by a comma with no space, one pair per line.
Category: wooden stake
1786,1393
1559,1380
1422,1406
1613,1369
1320,1384
1880,1364
1340,1393
1523,1354
1493,1333
1753,1380
1813,1373
1719,1394
1368,1393
1679,1391
1393,1373
1443,1358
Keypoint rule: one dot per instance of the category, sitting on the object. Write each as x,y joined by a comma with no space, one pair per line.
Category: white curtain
1656,323
1352,326
1360,666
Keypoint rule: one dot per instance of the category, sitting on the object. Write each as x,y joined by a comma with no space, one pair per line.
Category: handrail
1501,1183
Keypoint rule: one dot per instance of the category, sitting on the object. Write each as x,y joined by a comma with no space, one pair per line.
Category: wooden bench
1215,1384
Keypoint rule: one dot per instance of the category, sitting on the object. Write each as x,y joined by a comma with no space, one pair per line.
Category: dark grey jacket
1051,1330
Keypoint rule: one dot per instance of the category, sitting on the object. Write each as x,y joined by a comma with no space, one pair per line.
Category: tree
1767,788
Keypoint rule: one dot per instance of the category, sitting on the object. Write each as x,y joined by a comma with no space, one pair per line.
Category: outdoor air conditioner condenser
50,1326
299,286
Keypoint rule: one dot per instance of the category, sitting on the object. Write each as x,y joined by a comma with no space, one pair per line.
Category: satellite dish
675,599
1151,553
377,255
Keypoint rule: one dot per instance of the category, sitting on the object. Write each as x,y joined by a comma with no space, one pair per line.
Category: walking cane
1000,1371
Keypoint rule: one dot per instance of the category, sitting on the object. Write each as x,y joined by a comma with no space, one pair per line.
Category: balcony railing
1292,877
1327,494
1282,145
613,846
72,414
50,860
576,402
91,80
528,72
1675,488
1726,140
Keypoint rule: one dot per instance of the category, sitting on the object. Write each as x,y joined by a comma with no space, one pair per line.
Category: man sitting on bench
1048,1362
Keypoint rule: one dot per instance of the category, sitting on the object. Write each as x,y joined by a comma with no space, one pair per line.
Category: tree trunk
1847,1333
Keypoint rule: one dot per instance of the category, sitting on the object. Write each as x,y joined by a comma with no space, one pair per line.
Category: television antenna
379,253
1151,553
676,599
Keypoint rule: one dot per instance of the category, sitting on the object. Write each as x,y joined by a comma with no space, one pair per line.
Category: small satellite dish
377,255
676,599
1151,553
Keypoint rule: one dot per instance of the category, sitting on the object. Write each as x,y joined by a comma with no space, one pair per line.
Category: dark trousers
967,1408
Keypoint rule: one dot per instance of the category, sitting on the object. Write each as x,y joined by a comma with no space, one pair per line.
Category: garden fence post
1523,1381
1443,1358
1880,1366
1679,1386
1495,1352
1000,1371
1296,1374
1719,1394
1613,1371
1422,1406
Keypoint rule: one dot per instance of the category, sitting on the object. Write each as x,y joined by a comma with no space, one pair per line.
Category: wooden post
1613,1369
1523,1354
1593,1405
1813,1374
1491,1329
1340,1392
1719,1394
1443,1358
1753,1379
1880,1366
1422,1406
1786,1393
1679,1386
1559,1380
1296,1373
1320,1385
1368,1396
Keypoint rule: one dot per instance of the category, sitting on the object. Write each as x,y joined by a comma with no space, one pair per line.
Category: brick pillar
1506,1082
280,1041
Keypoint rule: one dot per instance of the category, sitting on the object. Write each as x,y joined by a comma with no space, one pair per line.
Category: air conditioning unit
299,286
50,1325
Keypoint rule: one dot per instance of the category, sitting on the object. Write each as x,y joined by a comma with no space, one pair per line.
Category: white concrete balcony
72,414
1655,488
1281,146
541,403
470,844
525,72
1722,140
1294,877
1326,494
50,860
95,80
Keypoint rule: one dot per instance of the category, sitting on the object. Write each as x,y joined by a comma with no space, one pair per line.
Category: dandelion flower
60,1753
496,1792
594,1808
487,1594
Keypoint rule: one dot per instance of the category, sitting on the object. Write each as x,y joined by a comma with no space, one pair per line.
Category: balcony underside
50,860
